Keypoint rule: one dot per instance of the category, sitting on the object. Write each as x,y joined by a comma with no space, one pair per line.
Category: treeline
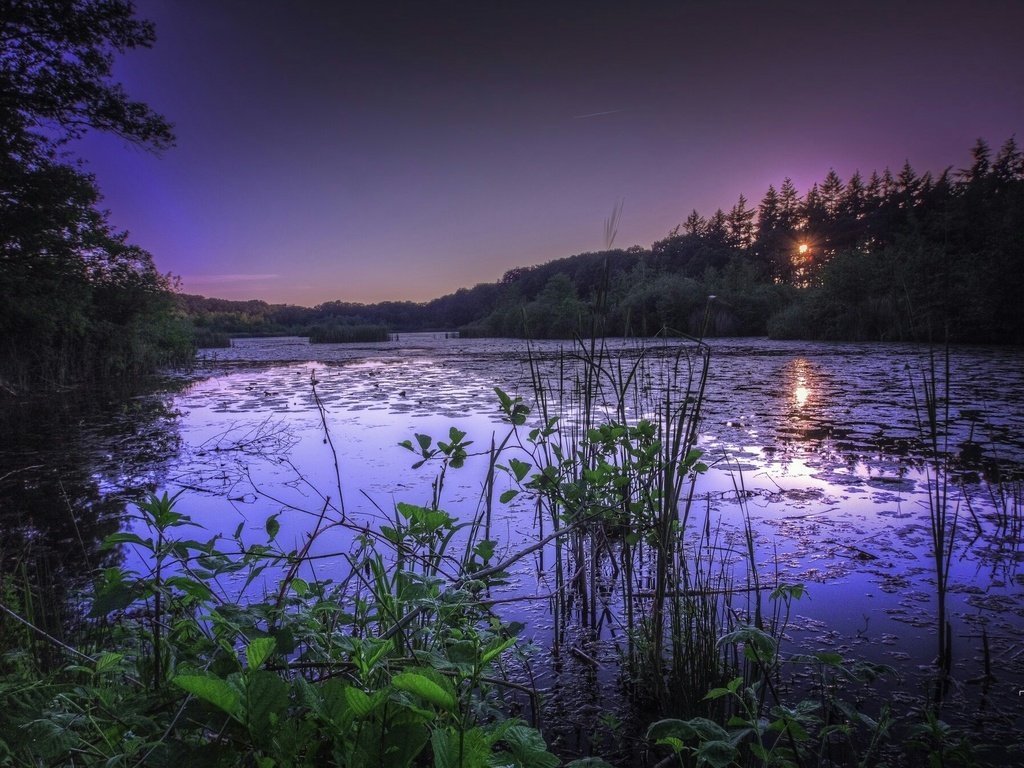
903,256
258,318
893,257
77,300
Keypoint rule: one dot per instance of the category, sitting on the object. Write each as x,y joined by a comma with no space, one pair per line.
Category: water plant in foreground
755,719
933,418
314,673
227,651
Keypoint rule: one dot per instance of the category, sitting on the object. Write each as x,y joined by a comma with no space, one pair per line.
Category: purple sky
400,150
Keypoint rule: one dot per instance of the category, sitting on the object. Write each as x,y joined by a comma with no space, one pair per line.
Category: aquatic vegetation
394,637
377,668
933,413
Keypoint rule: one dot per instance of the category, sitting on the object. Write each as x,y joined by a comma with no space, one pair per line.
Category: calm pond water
823,439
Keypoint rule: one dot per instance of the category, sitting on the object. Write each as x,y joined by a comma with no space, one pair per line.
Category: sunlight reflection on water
822,440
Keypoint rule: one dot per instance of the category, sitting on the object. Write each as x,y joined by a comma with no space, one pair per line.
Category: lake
817,445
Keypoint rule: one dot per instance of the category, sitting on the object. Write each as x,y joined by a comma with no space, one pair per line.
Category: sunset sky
372,151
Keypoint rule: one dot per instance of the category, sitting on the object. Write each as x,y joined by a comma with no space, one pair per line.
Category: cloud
597,114
240,277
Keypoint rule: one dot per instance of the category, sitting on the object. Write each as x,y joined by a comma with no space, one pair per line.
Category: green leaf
788,592
127,538
507,496
589,762
460,749
114,593
758,645
717,753
358,701
670,728
108,662
265,699
496,650
760,753
528,747
485,549
402,742
676,745
259,650
211,689
504,399
191,587
439,692
791,725
519,468
272,527
707,730
829,658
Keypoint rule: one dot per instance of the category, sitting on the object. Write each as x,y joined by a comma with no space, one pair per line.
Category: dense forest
893,257
79,301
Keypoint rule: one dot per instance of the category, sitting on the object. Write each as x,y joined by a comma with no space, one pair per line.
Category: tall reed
616,446
931,405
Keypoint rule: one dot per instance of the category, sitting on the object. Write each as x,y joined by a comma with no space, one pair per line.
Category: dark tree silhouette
79,301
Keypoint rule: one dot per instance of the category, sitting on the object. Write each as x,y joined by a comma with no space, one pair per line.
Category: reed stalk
931,406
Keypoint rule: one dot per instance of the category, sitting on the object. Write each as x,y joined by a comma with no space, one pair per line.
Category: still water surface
823,439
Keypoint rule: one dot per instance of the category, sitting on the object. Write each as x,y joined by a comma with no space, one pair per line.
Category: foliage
896,257
384,668
757,724
78,300
204,338
397,659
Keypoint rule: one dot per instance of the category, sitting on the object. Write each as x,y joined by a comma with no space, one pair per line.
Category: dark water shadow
70,462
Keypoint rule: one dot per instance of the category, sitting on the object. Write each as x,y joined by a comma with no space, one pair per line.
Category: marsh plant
393,660
932,406
222,651
615,453
387,666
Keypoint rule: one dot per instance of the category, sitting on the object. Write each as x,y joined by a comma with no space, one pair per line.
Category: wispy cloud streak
597,114
229,278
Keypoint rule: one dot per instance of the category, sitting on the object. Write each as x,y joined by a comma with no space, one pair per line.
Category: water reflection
68,467
822,437
796,375
800,395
